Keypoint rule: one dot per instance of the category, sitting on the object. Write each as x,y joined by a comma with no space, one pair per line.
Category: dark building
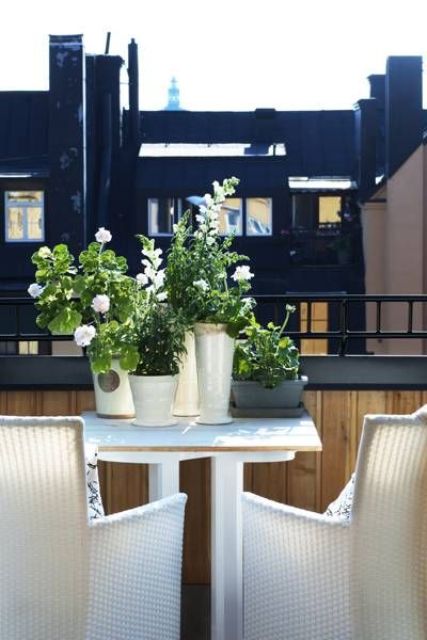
72,159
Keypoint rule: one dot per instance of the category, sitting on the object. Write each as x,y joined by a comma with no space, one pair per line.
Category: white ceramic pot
113,396
187,392
153,397
214,357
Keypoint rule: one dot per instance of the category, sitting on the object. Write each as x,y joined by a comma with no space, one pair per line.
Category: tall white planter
113,396
214,357
153,397
187,392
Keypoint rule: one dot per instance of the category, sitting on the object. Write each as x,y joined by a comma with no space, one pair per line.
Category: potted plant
198,280
266,368
156,332
91,300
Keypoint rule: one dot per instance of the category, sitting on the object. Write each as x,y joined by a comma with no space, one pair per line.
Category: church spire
173,97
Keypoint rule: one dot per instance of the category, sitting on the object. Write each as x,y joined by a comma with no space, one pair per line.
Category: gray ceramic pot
251,395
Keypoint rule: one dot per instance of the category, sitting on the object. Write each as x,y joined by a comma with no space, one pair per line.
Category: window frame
243,213
25,205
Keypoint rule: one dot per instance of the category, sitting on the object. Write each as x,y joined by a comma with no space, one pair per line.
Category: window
163,213
310,210
249,216
24,216
258,216
329,209
319,323
230,217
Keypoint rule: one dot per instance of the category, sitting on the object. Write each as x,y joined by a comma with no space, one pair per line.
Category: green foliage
68,291
199,260
266,356
156,329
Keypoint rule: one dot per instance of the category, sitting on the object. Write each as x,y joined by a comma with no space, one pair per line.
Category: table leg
163,479
226,572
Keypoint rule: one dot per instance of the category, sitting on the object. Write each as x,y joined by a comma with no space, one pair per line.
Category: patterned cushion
95,508
341,507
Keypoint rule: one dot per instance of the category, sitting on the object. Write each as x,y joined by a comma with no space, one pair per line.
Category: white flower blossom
84,335
208,200
142,279
175,228
103,235
44,252
149,271
201,284
200,219
101,303
159,279
35,290
242,273
210,240
161,297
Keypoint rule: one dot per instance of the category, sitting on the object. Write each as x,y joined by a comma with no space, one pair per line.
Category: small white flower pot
113,397
153,397
187,393
214,356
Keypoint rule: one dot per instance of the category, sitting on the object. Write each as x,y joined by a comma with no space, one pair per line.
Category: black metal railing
345,318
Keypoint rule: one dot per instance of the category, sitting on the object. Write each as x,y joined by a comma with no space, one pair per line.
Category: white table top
243,434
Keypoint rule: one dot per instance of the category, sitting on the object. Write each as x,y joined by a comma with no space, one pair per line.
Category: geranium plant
198,277
156,330
92,299
266,355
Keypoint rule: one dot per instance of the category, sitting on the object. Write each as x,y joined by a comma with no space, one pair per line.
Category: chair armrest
135,572
296,572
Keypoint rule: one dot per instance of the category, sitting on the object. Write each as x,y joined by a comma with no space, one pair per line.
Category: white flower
201,284
210,240
35,290
175,228
141,279
242,273
159,279
149,271
84,335
200,219
103,235
161,297
101,303
44,252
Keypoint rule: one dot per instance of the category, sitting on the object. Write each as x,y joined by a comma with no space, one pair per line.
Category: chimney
377,85
67,197
134,128
403,109
366,119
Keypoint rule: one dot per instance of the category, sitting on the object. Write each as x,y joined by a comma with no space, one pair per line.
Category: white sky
226,54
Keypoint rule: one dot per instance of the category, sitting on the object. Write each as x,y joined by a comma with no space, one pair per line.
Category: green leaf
66,321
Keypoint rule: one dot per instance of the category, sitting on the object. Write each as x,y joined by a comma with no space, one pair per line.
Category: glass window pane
329,208
304,212
258,217
163,213
34,223
14,224
230,217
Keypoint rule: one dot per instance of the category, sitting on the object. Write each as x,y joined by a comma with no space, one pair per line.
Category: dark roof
317,142
23,131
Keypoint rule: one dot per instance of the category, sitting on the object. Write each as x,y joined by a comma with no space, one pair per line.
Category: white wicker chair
61,578
311,577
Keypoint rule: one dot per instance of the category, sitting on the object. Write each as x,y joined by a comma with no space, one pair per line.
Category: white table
229,446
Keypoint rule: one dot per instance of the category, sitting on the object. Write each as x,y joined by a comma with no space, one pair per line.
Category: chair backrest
389,528
43,529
